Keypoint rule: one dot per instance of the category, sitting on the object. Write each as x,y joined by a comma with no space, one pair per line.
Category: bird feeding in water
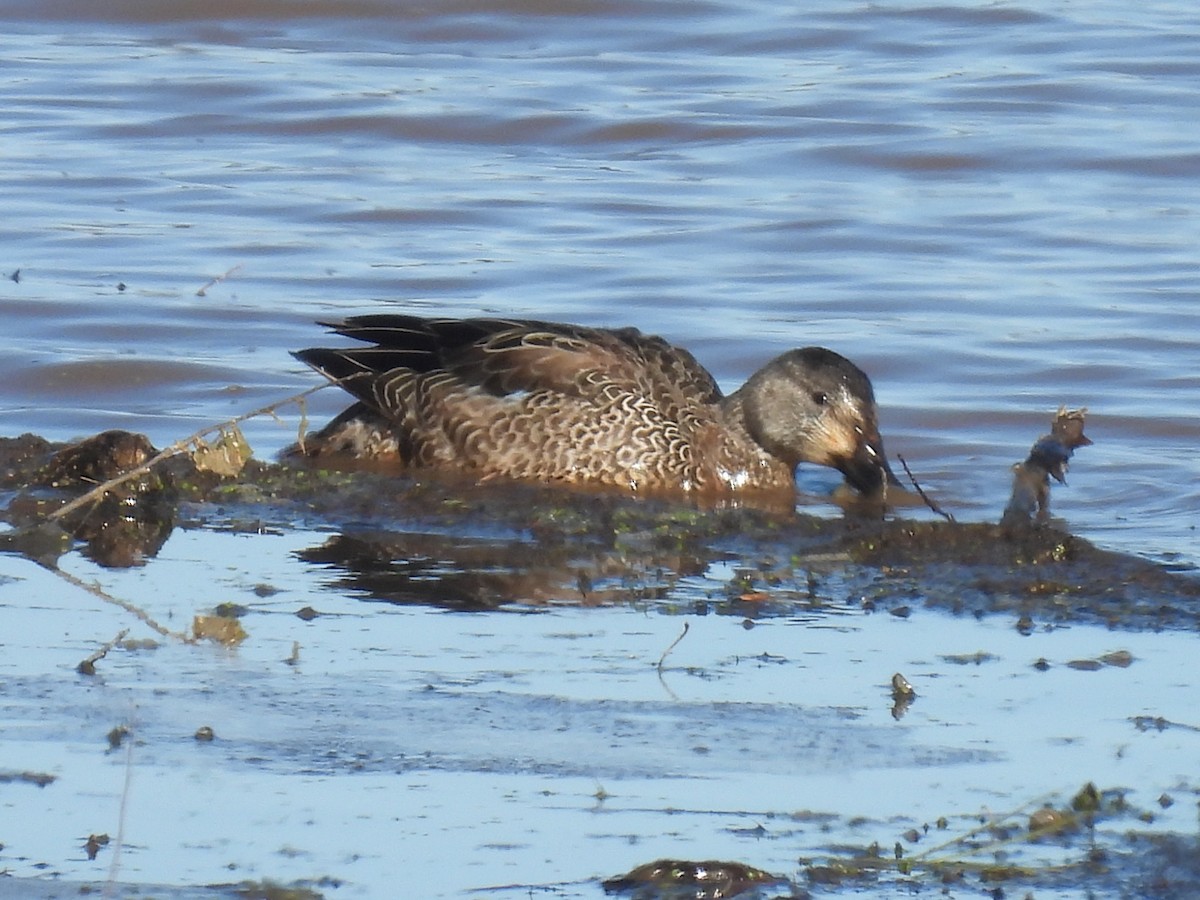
556,403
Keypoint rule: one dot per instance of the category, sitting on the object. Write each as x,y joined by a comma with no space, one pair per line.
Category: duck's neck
742,461
733,413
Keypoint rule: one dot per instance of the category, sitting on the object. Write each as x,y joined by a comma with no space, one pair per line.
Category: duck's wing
506,356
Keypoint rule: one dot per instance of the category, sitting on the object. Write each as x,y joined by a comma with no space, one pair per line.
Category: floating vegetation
113,460
997,849
1050,844
269,890
226,457
434,543
225,630
968,659
41,779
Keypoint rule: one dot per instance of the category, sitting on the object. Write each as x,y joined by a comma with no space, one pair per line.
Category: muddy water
993,209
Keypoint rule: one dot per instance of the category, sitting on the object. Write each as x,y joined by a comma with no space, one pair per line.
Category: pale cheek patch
840,430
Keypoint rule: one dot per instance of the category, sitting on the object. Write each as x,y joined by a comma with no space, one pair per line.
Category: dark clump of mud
672,879
1036,571
467,546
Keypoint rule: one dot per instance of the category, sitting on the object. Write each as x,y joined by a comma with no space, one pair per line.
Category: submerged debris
903,694
88,665
1001,848
41,779
708,880
1048,457
94,844
133,511
269,890
99,458
116,736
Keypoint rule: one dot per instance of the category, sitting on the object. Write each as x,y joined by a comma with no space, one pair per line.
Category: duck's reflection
437,570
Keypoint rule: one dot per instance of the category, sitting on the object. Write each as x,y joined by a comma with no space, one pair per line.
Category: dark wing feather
503,356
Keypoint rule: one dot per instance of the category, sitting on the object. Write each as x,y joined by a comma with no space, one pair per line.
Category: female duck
541,401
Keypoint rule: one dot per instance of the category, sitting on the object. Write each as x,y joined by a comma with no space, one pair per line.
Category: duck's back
531,400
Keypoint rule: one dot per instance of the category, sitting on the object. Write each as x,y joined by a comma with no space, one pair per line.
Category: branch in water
917,487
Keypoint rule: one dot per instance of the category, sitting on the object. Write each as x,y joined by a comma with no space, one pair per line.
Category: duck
530,400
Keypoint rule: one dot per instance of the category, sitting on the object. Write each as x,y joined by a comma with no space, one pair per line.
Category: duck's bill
867,471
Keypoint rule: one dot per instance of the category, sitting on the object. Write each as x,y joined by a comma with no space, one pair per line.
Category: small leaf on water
221,629
226,457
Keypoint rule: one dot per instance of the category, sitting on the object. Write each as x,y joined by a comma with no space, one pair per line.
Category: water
436,754
992,208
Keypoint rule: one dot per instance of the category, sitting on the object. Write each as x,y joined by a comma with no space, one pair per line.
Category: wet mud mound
467,546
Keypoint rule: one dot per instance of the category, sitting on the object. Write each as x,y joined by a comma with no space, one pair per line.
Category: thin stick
928,502
989,822
114,867
215,281
97,591
663,658
88,666
174,450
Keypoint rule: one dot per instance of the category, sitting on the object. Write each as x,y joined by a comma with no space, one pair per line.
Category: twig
175,449
663,658
215,281
99,592
88,666
988,823
916,486
114,867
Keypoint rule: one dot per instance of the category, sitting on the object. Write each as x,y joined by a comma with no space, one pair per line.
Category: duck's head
813,405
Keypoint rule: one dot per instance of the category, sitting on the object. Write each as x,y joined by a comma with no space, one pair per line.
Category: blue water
991,208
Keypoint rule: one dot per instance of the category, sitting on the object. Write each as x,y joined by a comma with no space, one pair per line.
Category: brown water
993,209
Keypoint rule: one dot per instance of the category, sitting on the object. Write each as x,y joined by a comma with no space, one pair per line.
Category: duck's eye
820,398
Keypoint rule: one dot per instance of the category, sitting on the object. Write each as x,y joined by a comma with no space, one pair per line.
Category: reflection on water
429,570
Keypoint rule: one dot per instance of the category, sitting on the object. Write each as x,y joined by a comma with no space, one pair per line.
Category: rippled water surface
991,207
